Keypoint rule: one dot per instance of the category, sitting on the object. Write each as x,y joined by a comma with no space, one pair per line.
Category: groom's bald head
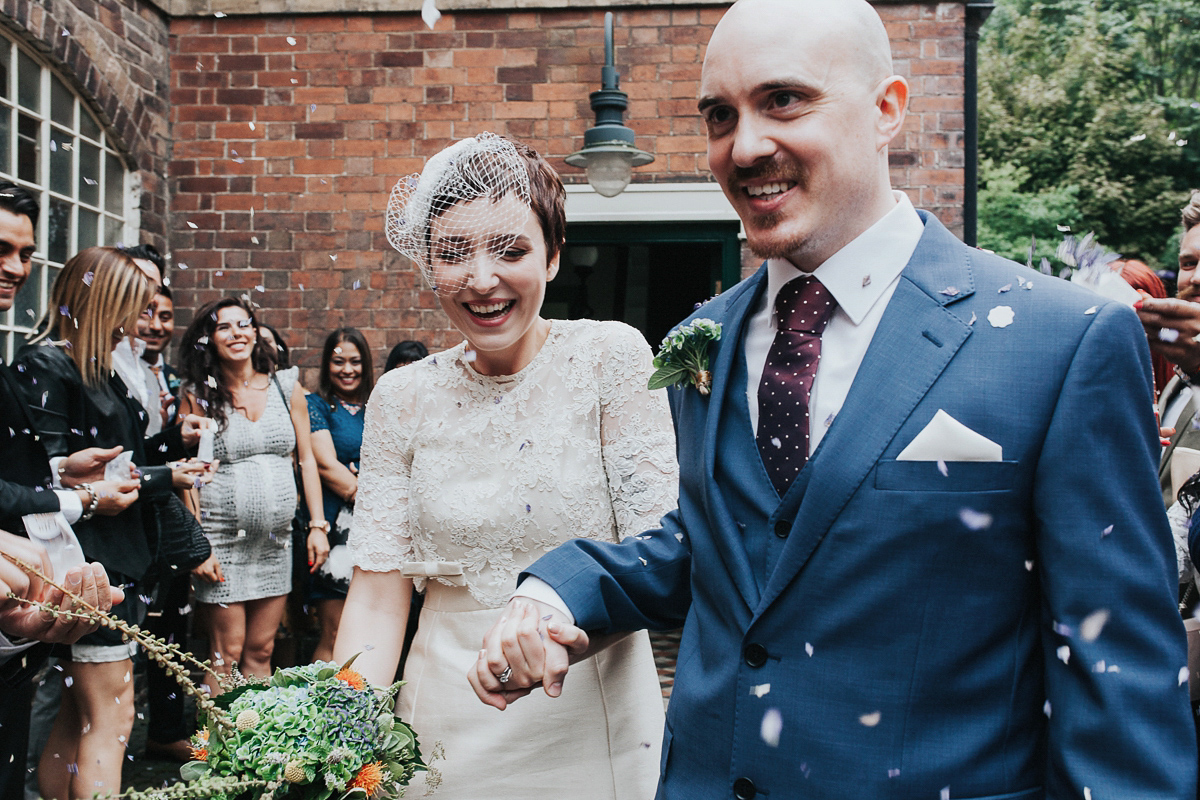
800,104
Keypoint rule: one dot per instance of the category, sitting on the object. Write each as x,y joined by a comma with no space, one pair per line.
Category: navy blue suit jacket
906,653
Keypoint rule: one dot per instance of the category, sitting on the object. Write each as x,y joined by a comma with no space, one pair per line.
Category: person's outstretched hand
536,643
1181,320
17,620
87,465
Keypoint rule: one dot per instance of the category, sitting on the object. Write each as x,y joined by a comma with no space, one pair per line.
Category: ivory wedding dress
466,480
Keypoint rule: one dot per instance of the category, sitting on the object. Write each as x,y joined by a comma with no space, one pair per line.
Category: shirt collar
859,274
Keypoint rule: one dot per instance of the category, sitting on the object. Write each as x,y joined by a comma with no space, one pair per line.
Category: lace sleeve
379,537
318,413
636,437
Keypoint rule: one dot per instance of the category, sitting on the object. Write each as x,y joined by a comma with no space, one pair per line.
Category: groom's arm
1115,657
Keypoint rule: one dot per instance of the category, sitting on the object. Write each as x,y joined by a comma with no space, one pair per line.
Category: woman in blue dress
336,413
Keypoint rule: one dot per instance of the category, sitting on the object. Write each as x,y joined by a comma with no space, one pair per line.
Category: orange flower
199,753
368,778
351,678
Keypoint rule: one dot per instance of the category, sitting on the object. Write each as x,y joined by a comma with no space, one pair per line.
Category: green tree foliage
1089,109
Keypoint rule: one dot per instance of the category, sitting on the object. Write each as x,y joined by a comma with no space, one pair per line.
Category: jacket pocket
960,476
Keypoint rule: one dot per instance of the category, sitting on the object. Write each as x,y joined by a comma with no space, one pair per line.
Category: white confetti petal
1167,335
1046,709
808,648
975,520
192,225
1064,654
1091,311
1100,666
760,690
772,727
872,719
291,40
1087,793
1001,316
942,468
1093,624
1106,531
945,794
1183,675
430,14
1029,566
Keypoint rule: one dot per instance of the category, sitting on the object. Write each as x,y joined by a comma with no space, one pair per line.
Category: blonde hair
100,290
1191,212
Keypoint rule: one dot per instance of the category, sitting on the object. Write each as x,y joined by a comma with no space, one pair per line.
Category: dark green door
650,275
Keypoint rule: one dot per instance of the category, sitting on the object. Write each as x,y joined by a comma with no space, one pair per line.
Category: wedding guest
335,414
405,352
1139,275
27,487
918,549
1172,329
247,509
156,327
77,401
476,460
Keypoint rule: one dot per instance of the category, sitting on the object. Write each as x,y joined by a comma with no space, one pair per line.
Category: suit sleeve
1113,641
49,394
17,501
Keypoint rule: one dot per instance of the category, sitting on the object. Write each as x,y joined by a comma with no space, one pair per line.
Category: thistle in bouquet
683,357
308,733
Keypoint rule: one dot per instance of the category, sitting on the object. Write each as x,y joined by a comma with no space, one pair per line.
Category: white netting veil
458,214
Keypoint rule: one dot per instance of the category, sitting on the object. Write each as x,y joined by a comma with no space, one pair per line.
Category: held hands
530,645
17,620
1182,317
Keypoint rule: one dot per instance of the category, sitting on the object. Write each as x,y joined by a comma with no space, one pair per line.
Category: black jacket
25,466
70,416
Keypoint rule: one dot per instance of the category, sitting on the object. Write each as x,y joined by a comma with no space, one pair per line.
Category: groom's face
789,102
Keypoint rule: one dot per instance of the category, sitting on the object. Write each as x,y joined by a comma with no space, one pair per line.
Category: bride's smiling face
490,266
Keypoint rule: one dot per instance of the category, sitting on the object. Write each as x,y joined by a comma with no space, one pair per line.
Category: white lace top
491,472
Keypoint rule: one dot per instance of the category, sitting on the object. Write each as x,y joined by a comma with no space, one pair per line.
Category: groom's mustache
1190,291
774,170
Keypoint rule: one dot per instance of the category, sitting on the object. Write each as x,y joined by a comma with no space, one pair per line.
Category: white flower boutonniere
683,356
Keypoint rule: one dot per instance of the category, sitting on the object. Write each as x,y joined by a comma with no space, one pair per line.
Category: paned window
51,144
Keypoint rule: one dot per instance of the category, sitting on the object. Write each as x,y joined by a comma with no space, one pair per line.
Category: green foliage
1014,216
1083,105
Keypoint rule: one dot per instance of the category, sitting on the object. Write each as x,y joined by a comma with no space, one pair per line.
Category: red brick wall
289,132
114,52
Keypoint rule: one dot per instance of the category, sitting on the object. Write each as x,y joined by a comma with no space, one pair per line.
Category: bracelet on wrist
90,511
322,526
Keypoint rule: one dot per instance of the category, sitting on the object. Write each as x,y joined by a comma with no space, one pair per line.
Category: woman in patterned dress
247,509
477,460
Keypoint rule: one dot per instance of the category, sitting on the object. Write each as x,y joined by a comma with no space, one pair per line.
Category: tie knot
804,305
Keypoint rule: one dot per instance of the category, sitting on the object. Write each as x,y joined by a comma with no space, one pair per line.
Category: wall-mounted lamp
608,153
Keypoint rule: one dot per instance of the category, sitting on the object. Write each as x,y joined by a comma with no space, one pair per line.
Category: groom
919,550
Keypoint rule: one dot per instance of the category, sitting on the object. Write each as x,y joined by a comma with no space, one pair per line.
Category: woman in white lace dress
478,460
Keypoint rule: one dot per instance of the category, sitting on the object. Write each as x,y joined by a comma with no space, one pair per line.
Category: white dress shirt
862,277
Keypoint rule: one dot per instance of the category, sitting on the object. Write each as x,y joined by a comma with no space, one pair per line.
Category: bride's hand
533,641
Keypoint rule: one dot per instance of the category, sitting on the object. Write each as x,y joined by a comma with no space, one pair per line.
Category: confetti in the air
772,727
291,40
192,225
1001,316
975,520
1093,624
942,468
1064,654
1107,531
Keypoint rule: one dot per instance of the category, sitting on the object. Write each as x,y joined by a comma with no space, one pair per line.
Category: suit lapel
1182,424
726,534
915,341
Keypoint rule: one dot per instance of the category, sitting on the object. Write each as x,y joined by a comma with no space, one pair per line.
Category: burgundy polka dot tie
803,308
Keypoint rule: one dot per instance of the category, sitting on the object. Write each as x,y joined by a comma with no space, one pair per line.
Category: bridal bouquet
309,733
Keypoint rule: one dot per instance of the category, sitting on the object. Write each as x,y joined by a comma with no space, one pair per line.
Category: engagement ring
504,676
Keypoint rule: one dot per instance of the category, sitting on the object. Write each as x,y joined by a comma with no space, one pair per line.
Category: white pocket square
947,439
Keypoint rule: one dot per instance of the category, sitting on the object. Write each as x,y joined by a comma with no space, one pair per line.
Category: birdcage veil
485,167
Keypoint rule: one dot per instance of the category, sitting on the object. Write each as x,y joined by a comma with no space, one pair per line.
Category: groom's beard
780,172
1189,292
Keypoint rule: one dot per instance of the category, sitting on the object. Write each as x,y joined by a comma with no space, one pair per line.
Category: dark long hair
354,337
200,362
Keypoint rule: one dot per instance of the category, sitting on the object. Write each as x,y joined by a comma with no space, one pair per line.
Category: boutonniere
683,356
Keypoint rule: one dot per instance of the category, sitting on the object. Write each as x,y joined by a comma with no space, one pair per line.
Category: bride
477,460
